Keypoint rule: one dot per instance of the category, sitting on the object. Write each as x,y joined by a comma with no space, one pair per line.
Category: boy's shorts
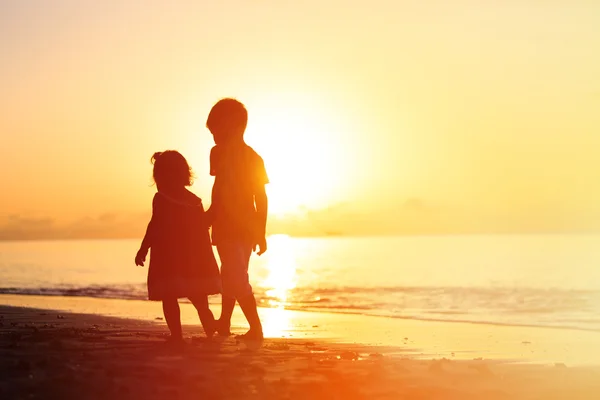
235,258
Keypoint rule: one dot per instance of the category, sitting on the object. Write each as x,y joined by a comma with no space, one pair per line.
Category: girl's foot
223,328
210,329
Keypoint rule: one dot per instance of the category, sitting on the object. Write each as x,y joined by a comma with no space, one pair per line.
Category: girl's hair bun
155,156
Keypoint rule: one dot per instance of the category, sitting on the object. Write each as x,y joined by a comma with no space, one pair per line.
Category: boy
238,210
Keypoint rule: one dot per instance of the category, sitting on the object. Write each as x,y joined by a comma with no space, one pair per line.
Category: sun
300,144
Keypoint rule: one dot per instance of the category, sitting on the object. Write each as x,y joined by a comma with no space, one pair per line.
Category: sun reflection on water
281,278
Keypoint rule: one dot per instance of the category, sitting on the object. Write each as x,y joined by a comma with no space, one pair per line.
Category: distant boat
333,233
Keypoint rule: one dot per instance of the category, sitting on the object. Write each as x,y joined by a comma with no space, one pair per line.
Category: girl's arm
147,241
140,257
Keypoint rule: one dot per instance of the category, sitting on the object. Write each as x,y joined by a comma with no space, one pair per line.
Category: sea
517,280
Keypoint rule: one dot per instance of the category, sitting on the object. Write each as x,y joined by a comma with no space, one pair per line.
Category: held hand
140,258
209,217
262,246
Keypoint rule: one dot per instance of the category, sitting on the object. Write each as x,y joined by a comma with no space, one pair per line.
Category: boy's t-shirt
239,173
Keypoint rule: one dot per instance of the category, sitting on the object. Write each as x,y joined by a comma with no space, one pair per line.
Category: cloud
18,227
412,215
409,216
109,225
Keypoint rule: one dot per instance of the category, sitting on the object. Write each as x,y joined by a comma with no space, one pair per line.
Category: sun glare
300,145
281,265
280,280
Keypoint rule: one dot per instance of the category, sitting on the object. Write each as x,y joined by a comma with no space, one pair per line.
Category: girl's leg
171,311
227,306
206,316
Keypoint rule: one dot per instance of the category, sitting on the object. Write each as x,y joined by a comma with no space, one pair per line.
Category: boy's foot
251,335
222,328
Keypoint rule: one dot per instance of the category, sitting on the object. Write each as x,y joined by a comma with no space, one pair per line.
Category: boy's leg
248,306
235,258
171,311
206,316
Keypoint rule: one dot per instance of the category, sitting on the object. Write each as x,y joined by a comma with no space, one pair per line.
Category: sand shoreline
46,353
419,339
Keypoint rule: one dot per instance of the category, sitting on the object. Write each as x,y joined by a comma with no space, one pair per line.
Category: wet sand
48,353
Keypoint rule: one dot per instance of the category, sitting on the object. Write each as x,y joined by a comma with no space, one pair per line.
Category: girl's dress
182,263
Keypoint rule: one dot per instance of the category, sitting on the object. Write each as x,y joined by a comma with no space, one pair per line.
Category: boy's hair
171,169
227,117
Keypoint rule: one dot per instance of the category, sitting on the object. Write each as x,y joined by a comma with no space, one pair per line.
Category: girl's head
171,170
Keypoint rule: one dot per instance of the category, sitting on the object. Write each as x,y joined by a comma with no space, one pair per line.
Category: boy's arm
262,208
210,213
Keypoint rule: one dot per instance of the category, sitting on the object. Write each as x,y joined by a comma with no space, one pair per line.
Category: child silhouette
238,211
182,263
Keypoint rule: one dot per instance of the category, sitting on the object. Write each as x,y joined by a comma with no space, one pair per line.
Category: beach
424,175
460,317
67,347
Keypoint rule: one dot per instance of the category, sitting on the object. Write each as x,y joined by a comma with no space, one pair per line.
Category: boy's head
171,170
227,121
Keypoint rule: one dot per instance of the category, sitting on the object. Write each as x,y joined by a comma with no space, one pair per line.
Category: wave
551,308
126,292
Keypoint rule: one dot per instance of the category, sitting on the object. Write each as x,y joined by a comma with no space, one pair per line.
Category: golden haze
373,117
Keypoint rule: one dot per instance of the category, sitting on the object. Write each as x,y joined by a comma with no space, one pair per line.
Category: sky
373,117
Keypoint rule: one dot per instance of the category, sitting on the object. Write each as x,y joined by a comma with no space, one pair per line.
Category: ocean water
532,280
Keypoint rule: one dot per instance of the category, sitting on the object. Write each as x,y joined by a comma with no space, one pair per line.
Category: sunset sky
372,116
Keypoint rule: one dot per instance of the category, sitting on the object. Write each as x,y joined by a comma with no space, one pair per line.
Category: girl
182,263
